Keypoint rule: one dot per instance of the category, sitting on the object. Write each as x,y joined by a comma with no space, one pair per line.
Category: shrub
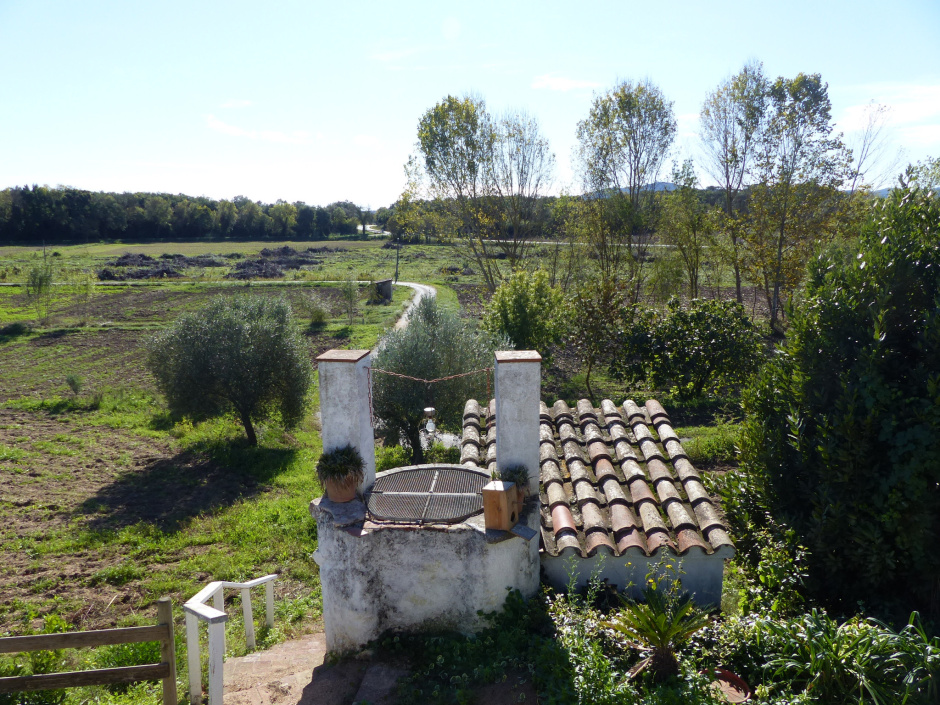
239,354
435,344
313,307
705,349
859,661
75,383
39,283
842,428
663,622
391,457
528,310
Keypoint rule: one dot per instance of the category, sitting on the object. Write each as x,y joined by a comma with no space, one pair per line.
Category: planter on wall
341,490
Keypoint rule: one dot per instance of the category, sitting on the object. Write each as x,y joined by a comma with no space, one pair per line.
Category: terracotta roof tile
609,482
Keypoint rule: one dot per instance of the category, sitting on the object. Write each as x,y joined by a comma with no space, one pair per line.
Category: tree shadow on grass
168,492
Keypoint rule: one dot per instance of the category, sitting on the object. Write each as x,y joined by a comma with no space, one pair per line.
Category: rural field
109,503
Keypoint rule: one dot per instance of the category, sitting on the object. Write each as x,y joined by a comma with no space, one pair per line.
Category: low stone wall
387,577
701,574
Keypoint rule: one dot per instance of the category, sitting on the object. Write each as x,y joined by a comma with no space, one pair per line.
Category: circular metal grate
442,494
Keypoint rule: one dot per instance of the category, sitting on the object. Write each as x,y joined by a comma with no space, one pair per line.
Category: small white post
249,619
518,388
344,406
218,600
216,658
269,603
192,655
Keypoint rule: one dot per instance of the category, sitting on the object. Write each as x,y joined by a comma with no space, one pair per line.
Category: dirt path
294,673
421,291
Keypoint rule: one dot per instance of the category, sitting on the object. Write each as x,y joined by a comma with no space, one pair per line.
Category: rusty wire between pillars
370,370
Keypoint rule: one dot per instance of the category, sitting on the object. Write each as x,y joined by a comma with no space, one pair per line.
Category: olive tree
240,354
436,343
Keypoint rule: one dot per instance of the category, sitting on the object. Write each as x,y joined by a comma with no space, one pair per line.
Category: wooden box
500,509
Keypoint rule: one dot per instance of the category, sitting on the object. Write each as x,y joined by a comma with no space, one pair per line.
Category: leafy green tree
687,224
285,218
842,427
598,317
926,173
622,145
528,310
800,167
240,354
732,120
489,174
436,343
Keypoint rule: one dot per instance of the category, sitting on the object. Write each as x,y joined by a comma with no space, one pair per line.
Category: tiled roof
607,483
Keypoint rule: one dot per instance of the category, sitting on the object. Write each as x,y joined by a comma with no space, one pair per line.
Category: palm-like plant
660,624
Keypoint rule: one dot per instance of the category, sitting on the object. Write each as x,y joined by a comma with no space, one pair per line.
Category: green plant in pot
340,471
518,475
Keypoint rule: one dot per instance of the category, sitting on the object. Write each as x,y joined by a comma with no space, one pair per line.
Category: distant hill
656,186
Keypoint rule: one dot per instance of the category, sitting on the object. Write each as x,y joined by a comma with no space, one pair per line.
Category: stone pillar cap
518,356
342,355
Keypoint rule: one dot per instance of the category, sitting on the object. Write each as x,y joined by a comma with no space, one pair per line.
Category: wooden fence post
168,650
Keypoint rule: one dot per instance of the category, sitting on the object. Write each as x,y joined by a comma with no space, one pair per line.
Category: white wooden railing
196,610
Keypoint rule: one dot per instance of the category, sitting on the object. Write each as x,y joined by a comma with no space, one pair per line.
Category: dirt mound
159,271
288,258
133,260
207,260
255,269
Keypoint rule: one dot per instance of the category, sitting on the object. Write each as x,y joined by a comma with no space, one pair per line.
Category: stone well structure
379,575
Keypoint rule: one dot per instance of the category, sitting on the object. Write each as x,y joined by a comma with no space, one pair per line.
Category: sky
320,101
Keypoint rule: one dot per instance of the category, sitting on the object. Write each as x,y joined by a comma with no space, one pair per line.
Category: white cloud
237,104
295,137
559,83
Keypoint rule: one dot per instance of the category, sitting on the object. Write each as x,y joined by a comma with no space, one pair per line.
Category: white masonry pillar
518,390
344,406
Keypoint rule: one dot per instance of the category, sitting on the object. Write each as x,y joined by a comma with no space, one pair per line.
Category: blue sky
319,101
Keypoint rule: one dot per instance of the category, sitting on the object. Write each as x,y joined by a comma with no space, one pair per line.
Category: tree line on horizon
33,215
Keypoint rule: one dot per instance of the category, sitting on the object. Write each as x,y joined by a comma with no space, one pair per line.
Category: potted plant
519,476
340,471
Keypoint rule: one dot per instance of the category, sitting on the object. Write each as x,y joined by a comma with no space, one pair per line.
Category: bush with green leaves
706,348
528,310
842,427
436,343
859,661
239,354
